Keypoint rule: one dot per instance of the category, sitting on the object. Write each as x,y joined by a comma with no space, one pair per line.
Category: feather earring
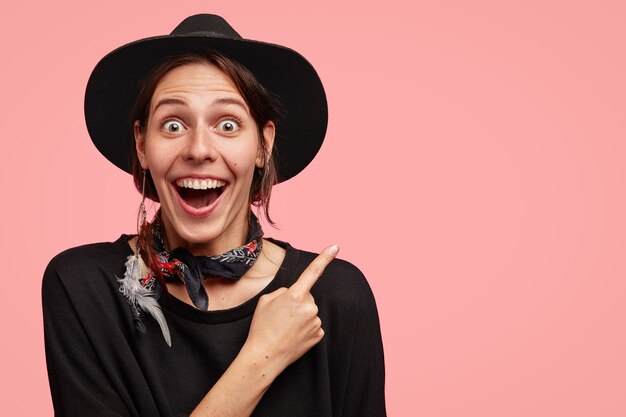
138,282
135,287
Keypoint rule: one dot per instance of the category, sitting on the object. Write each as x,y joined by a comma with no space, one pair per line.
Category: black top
99,365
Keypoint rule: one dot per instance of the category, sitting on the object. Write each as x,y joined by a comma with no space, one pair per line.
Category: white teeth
199,184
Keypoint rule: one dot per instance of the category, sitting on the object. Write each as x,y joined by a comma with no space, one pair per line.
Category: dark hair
264,107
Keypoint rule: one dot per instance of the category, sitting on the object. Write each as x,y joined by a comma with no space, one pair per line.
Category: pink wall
474,169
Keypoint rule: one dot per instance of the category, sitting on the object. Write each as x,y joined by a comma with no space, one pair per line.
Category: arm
79,383
284,327
365,392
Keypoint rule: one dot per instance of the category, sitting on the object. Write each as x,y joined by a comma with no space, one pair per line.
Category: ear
140,145
269,131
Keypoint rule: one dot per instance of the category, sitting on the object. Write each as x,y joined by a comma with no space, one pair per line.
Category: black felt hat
114,85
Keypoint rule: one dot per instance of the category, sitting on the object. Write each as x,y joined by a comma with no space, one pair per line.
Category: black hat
114,84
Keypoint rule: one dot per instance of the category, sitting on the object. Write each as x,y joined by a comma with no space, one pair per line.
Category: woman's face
201,146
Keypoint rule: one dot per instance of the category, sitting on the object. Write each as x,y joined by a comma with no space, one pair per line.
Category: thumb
274,294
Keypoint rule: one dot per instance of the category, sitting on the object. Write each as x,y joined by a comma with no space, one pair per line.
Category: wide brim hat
114,85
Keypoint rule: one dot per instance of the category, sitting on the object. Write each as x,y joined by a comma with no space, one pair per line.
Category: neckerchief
182,265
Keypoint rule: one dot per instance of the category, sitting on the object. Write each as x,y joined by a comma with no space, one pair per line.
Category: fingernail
333,250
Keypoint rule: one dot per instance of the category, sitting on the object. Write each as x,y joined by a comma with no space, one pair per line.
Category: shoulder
352,275
89,257
89,266
342,282
81,293
346,303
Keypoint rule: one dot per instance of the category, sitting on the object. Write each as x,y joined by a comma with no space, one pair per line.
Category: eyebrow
168,101
230,100
217,101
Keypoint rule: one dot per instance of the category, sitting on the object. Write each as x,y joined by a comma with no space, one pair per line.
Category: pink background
474,169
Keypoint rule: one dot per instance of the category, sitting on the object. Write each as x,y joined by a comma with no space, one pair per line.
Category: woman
198,314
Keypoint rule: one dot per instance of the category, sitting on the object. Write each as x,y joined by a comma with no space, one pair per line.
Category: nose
200,146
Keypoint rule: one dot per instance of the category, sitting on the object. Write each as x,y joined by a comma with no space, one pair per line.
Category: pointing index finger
315,269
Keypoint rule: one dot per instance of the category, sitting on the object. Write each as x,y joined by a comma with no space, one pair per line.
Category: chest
201,353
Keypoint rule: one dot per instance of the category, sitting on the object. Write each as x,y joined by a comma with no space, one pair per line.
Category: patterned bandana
181,265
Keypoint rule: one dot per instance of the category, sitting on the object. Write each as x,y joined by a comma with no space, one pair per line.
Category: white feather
151,306
137,294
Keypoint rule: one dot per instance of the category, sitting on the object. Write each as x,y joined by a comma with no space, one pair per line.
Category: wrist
260,361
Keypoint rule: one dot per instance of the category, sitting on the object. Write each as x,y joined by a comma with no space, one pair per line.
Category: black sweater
99,365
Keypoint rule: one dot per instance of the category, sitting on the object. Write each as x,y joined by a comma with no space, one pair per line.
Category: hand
285,324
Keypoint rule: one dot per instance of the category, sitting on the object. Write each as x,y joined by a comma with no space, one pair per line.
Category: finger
312,272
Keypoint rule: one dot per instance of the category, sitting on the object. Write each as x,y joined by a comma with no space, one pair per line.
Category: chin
218,231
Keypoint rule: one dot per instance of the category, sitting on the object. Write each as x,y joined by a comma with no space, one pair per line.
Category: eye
173,126
228,125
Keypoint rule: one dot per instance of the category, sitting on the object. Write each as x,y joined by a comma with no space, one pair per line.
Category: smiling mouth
199,193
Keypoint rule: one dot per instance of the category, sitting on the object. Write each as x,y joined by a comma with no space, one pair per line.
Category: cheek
158,158
242,159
